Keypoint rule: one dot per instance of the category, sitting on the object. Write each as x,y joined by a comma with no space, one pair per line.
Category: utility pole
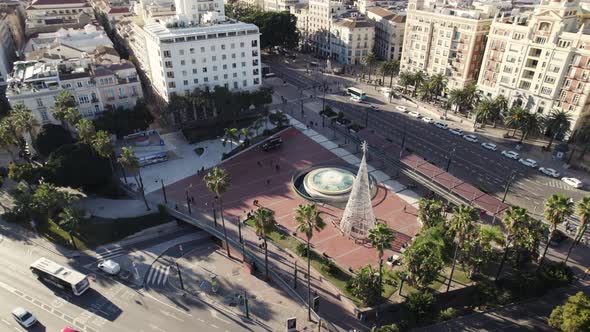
188,202
246,304
508,182
163,190
240,230
295,276
450,158
401,152
214,212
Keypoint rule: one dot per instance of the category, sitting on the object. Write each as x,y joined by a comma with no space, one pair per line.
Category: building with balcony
95,88
352,40
52,15
442,39
540,59
389,32
197,47
10,41
314,22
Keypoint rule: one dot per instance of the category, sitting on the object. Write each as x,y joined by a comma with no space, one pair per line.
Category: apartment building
314,22
36,85
389,32
446,40
197,47
51,15
9,48
541,60
272,5
352,40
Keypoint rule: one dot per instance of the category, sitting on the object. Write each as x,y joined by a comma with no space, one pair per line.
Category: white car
510,154
24,317
489,146
573,182
401,109
374,108
549,171
441,125
355,99
414,114
528,162
470,138
456,131
427,119
110,266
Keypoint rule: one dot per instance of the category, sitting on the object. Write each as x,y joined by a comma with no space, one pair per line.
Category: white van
110,266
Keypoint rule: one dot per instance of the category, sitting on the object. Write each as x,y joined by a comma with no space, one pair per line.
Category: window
243,64
212,48
121,92
567,83
215,78
39,102
580,86
224,67
546,91
193,61
167,54
182,62
223,57
243,54
181,52
202,49
235,85
224,76
185,82
83,99
44,116
235,75
244,83
563,95
575,99
194,70
204,69
223,46
214,68
234,65
196,81
171,85
168,64
79,84
184,73
233,55
549,79
192,50
170,74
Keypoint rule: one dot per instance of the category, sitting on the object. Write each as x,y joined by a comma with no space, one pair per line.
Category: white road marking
150,275
166,275
144,293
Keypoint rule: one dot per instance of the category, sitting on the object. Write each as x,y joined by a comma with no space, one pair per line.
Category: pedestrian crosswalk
558,184
107,253
158,275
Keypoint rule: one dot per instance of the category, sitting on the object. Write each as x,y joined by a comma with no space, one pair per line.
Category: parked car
414,114
489,146
558,237
69,329
549,171
374,108
24,317
470,138
427,119
355,99
110,267
272,143
456,131
573,182
510,154
528,162
401,109
441,125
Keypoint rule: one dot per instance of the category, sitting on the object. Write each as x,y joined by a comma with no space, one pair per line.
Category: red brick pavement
254,177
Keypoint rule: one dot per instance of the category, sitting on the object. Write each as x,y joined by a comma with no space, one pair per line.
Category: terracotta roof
399,19
119,10
353,23
57,2
382,12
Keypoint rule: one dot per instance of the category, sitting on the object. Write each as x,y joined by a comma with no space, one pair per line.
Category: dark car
558,237
272,143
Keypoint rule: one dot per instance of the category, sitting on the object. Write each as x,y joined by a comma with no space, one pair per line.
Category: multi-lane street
486,169
107,306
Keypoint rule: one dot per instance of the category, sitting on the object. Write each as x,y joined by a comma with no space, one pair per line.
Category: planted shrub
301,249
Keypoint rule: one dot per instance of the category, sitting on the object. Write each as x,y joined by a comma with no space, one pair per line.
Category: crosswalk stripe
111,253
150,275
155,275
160,274
166,275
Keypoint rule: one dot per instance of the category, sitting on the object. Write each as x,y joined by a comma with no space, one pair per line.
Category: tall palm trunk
503,261
551,141
223,223
142,190
265,258
308,281
549,238
391,80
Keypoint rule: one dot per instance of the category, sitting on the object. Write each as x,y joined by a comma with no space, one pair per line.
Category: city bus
356,93
60,276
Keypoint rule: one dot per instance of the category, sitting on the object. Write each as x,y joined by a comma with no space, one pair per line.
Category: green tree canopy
123,122
365,285
76,165
50,138
573,316
430,212
424,258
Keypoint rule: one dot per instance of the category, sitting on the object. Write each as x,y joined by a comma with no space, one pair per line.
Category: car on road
510,154
528,162
549,171
355,99
489,146
573,182
374,108
24,317
414,114
456,131
401,109
470,138
427,119
109,266
69,329
441,125
558,237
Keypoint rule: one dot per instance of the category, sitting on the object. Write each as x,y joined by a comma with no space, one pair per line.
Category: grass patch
97,231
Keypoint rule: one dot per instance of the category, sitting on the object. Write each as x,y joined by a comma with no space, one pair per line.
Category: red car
69,329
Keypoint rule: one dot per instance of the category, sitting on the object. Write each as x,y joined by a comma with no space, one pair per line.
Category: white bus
60,276
356,93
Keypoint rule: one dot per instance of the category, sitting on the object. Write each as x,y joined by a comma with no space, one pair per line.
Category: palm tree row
389,68
555,123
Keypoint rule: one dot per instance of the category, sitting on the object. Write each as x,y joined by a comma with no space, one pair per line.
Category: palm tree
129,160
426,91
533,124
393,70
557,122
230,134
380,237
485,237
264,223
457,98
483,111
406,79
500,107
370,61
247,133
308,221
515,221
258,124
63,102
217,181
418,78
69,221
583,137
438,83
471,95
583,211
557,208
516,117
462,225
102,143
385,69
86,131
430,212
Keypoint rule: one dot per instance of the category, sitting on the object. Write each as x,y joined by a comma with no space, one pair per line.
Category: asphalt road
106,306
483,168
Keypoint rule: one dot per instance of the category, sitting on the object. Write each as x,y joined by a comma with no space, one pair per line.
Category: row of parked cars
576,183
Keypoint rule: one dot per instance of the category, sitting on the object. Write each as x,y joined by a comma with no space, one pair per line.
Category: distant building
441,39
52,15
86,39
314,22
352,40
95,88
541,60
10,42
389,32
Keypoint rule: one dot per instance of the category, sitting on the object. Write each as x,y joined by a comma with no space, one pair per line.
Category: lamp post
401,151
214,212
450,158
188,201
508,183
240,230
163,190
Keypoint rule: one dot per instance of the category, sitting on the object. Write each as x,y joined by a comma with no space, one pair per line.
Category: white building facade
352,40
389,32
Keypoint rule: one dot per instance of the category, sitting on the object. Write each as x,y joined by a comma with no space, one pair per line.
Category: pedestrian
267,182
278,168
193,199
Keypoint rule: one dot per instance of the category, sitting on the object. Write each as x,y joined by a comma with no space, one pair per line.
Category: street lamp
508,182
214,212
163,190
188,201
450,158
403,144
